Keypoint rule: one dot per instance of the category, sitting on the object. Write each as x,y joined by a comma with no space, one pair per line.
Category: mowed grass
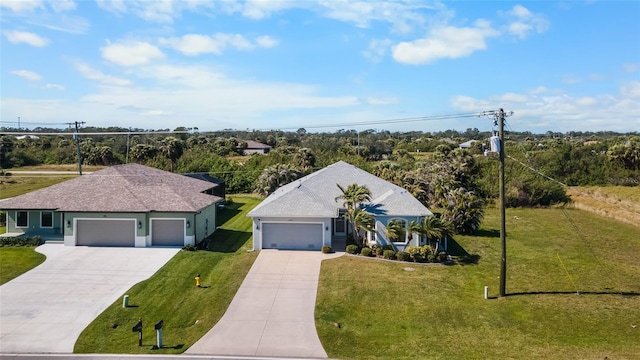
18,184
438,312
171,295
16,260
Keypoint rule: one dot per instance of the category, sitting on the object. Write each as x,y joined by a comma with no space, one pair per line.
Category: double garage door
289,236
105,232
122,233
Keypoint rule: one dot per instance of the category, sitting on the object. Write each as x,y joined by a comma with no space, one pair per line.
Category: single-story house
305,214
467,144
123,205
254,147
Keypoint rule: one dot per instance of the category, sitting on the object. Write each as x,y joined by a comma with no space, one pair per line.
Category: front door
339,226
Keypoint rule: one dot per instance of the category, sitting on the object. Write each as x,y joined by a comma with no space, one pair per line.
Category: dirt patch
607,202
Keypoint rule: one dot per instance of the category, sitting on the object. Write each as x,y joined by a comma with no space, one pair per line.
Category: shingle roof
314,195
256,145
120,188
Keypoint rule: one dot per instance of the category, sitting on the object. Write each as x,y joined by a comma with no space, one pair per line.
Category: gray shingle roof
314,195
120,188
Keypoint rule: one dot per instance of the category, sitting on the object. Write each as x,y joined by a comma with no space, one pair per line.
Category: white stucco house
304,215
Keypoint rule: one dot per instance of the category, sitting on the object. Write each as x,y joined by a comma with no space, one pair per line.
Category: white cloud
16,37
131,53
631,89
29,75
630,67
260,9
196,44
373,100
55,87
403,16
62,5
445,42
160,11
571,79
93,74
525,22
377,49
21,5
266,41
556,109
197,95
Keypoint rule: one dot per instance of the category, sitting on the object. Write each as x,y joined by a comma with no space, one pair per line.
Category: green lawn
15,261
171,295
438,312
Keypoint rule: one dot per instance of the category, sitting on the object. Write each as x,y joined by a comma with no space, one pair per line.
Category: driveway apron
272,313
45,310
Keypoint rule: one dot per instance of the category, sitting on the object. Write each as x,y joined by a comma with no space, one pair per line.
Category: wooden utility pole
498,116
77,137
503,226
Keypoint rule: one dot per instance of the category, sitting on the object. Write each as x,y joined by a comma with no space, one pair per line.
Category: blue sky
558,65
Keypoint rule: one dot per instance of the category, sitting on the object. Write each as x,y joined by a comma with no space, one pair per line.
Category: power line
312,126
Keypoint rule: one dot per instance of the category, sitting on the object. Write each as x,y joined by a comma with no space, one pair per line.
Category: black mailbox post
138,328
159,324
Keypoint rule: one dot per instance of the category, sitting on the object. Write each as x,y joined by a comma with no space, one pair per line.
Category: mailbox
159,324
138,326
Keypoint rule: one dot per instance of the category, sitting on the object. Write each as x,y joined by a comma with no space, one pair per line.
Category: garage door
167,232
292,236
106,232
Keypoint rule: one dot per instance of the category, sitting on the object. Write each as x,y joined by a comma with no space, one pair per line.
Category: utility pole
499,117
503,226
77,137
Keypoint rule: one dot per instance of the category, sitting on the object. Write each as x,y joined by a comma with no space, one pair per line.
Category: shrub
414,252
387,247
389,254
189,247
425,251
403,256
352,249
366,252
326,249
21,241
432,258
379,251
442,256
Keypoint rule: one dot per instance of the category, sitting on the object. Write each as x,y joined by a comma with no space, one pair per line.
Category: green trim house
123,205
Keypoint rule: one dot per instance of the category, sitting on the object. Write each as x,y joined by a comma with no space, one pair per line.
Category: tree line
429,164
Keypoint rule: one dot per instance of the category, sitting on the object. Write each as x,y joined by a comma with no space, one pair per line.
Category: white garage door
102,232
167,232
292,236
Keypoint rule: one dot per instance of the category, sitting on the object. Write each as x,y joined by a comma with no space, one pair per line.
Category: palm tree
275,176
464,211
360,219
352,196
395,230
172,148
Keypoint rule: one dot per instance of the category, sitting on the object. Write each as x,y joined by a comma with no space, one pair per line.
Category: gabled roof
120,188
314,195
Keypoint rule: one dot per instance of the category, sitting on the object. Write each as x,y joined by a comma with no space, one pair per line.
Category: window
397,230
46,219
22,219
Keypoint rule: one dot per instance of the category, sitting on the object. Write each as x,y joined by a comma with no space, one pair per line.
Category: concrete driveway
46,309
273,312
